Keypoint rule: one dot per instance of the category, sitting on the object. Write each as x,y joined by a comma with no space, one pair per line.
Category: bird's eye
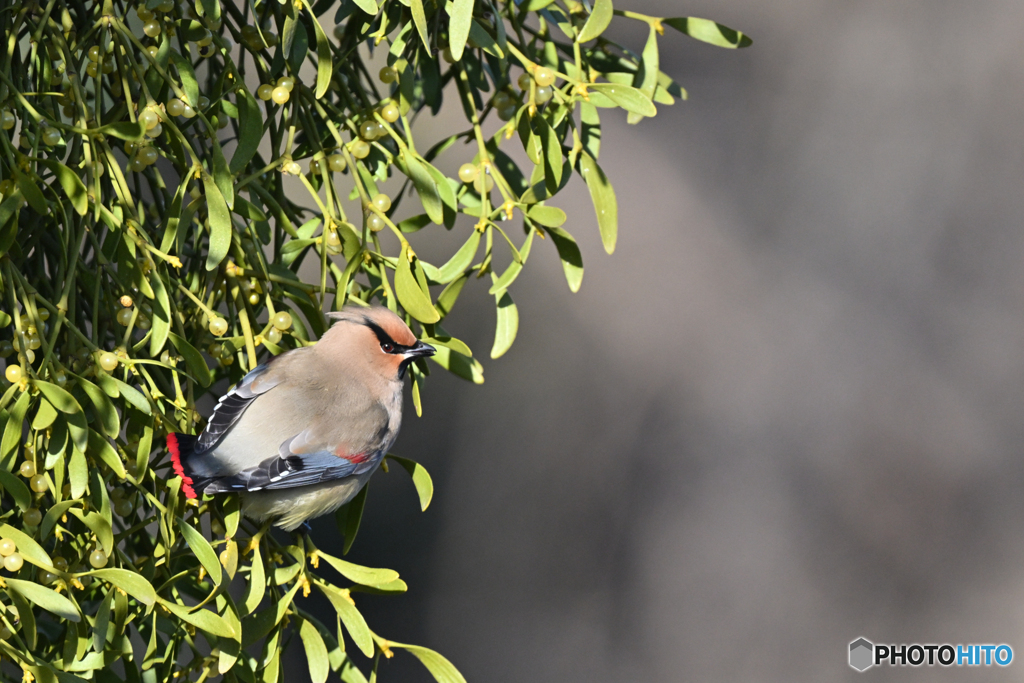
387,347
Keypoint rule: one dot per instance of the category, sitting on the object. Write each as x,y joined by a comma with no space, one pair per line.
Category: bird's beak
420,350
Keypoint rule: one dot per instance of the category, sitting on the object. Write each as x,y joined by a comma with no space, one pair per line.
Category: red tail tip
186,481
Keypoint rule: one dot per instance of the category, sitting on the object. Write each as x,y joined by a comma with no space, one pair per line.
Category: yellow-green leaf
203,619
410,295
193,359
50,600
709,31
459,365
460,260
458,27
602,194
29,549
508,324
202,549
369,576
73,186
106,413
220,223
597,22
550,216
61,400
324,63
354,622
131,583
440,668
419,18
420,479
250,129
16,487
316,652
627,97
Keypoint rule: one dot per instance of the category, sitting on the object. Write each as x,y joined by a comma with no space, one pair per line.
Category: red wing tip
186,481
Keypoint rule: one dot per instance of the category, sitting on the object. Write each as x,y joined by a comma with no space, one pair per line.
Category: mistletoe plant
187,188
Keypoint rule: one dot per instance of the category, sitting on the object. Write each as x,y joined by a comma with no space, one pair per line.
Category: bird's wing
231,405
307,459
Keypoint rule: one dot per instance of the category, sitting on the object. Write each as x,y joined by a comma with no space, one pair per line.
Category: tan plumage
300,436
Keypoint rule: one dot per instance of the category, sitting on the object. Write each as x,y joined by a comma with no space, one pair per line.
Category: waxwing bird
302,433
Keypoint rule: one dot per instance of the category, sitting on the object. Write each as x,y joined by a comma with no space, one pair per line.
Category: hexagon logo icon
862,654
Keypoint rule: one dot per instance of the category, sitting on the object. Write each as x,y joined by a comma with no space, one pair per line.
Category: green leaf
55,513
354,622
410,295
440,668
33,195
45,415
508,324
203,619
99,525
513,270
458,27
627,97
220,223
597,22
257,585
161,318
73,186
105,411
368,6
61,400
419,17
49,600
552,154
324,62
189,84
709,31
125,130
459,365
602,194
549,216
131,583
130,394
569,252
368,576
78,473
350,515
202,549
14,486
426,187
460,260
221,174
250,129
29,549
646,77
210,9
101,449
99,633
193,359
420,479
316,652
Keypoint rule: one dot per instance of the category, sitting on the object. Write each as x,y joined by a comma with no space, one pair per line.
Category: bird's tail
181,447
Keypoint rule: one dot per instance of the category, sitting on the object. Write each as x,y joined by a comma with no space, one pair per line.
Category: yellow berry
286,82
282,320
51,137
218,326
389,74
8,547
360,149
265,92
27,469
468,172
60,564
544,76
108,361
381,202
280,95
13,374
32,517
374,222
38,483
390,113
151,29
98,559
273,335
13,563
336,162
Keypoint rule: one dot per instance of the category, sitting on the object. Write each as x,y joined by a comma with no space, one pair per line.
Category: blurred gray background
785,413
